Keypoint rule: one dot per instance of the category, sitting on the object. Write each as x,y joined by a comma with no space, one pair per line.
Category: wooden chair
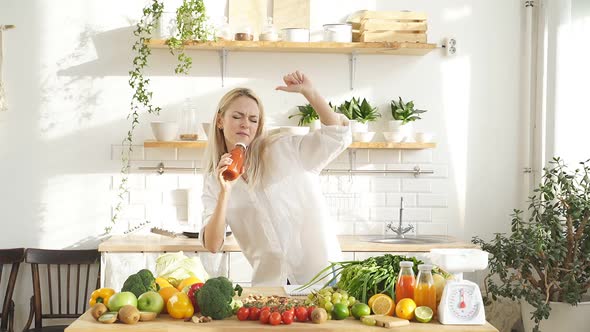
71,263
14,257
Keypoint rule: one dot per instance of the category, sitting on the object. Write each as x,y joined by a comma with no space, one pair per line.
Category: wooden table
164,323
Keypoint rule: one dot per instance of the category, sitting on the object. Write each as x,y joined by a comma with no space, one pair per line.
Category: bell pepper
101,295
179,306
192,294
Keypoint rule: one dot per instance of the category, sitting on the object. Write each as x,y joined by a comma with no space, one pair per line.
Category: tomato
180,306
291,310
301,314
309,311
265,316
287,317
265,308
243,313
254,313
275,318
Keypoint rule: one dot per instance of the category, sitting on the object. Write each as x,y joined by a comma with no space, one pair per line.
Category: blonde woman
275,209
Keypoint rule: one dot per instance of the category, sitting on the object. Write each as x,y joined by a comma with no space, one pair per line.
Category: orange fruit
372,299
188,282
383,305
405,309
167,293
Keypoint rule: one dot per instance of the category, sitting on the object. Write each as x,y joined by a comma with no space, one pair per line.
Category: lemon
423,314
405,309
372,299
383,305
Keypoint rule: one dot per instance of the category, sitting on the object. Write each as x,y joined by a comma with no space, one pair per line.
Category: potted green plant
307,117
404,114
545,261
359,112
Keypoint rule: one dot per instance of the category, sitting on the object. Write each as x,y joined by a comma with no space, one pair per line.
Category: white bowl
164,130
394,136
422,137
363,136
294,130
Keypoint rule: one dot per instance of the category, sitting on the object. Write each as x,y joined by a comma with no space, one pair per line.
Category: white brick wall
360,205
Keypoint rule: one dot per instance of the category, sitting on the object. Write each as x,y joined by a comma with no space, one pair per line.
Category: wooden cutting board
389,321
291,14
250,13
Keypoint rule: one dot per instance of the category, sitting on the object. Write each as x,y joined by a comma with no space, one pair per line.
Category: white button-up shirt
284,228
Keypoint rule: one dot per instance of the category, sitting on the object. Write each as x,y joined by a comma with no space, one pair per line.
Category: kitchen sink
410,239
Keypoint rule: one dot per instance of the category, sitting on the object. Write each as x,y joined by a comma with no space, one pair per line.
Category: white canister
295,35
341,33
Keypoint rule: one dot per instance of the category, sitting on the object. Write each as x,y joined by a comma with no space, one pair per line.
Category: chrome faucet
400,230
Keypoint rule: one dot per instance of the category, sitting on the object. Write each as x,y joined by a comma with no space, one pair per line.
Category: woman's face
240,121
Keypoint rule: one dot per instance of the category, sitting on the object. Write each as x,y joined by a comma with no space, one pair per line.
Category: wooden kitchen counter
348,243
164,323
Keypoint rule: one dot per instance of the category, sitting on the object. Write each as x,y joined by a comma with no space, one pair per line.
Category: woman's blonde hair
217,147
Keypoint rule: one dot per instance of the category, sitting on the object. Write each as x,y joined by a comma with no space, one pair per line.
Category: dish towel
3,104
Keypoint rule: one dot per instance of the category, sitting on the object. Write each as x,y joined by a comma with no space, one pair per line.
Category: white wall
65,71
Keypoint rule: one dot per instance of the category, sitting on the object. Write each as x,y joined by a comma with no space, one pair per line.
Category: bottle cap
425,267
406,264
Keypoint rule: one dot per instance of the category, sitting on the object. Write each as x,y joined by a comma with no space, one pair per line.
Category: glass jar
269,32
404,287
188,124
238,154
244,33
425,292
223,31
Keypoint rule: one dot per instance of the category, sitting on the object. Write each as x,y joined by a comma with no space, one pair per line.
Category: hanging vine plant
191,25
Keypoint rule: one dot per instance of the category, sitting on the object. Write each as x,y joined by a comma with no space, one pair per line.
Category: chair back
62,280
9,257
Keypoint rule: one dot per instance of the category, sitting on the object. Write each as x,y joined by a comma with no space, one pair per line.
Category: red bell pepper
192,294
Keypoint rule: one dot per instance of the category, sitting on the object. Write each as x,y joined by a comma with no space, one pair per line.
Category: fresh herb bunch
405,111
363,279
191,19
307,115
547,258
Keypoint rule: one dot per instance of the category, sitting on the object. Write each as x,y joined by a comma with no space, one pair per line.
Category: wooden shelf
395,48
355,145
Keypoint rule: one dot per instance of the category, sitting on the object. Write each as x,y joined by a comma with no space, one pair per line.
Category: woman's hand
296,82
222,165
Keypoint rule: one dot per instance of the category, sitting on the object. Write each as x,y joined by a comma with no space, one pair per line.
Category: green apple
118,300
150,301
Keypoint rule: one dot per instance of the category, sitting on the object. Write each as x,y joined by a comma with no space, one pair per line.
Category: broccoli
141,282
215,298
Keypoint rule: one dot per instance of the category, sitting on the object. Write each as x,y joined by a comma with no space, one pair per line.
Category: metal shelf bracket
223,62
352,60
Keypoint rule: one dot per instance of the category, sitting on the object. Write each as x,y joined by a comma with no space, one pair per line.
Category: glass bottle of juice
404,288
425,292
238,154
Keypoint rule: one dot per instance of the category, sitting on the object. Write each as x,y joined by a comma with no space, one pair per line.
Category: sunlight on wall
456,80
69,204
455,14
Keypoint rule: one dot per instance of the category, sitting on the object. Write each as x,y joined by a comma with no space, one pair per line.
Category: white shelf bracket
223,62
352,61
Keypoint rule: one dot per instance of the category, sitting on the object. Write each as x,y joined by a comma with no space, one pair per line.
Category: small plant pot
406,130
359,127
315,125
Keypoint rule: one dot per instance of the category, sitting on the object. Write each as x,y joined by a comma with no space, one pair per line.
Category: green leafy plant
191,20
405,111
354,109
546,258
307,115
191,25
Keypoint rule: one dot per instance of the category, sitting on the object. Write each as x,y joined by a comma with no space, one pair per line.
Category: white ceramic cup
422,137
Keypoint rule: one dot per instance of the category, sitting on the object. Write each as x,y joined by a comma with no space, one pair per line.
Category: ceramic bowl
394,136
164,130
363,136
294,130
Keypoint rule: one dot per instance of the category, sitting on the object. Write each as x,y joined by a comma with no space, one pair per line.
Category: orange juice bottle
425,292
404,288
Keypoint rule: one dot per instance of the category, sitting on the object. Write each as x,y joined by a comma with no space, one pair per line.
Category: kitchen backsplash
360,204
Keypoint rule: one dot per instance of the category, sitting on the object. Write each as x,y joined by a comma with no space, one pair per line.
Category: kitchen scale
461,302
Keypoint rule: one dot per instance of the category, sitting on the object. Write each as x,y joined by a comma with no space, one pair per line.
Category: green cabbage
178,266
